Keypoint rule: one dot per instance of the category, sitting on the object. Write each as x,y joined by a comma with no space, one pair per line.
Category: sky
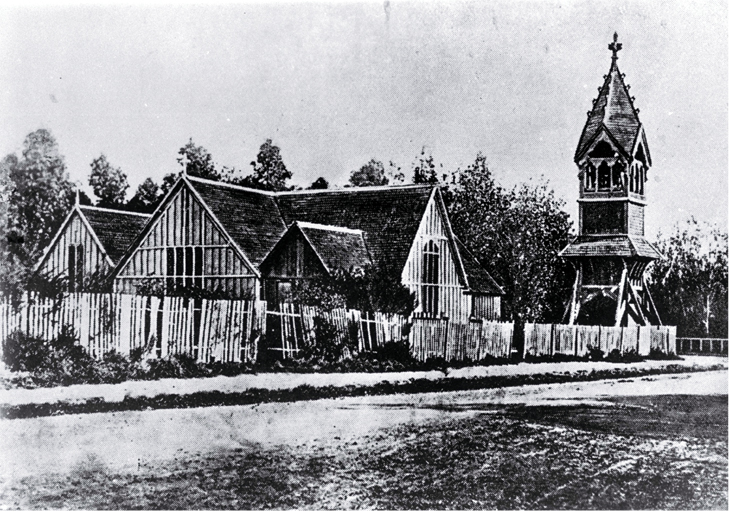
336,84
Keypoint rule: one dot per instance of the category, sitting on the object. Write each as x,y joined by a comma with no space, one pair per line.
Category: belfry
610,253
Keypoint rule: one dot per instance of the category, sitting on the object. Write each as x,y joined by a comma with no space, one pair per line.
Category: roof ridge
327,227
229,185
113,210
357,189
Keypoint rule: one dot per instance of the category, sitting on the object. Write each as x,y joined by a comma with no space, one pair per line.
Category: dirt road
128,441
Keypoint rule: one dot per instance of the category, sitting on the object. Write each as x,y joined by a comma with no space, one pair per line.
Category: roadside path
130,440
278,381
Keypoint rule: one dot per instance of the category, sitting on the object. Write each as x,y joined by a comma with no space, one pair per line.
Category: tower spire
78,199
615,47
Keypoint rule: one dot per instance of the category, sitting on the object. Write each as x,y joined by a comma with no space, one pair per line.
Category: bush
595,354
327,345
24,353
395,351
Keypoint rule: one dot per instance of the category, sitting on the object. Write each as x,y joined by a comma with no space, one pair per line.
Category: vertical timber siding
75,233
452,302
183,224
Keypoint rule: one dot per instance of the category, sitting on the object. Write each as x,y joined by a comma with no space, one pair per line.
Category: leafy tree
41,194
519,233
371,174
425,170
269,171
168,181
689,287
36,196
197,161
109,183
146,197
319,184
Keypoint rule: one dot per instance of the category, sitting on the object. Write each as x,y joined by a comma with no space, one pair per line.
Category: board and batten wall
201,254
76,233
452,301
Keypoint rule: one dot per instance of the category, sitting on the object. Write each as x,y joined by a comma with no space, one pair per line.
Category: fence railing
552,339
237,330
454,341
707,346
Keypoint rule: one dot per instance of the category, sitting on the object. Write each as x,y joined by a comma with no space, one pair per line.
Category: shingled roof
250,217
613,111
115,229
611,245
337,247
386,220
479,281
389,217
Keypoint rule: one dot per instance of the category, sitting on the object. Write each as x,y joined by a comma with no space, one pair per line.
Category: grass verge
306,392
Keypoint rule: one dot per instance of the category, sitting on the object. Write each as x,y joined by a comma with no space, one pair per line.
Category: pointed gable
250,217
389,217
613,112
338,248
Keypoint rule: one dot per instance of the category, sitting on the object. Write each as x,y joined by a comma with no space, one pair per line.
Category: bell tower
610,253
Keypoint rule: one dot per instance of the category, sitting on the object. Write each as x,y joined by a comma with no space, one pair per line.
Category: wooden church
610,253
245,243
89,244
250,243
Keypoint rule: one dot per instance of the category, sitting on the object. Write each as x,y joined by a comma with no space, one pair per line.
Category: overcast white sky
335,84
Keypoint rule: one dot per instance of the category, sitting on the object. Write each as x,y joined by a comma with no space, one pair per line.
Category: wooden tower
610,253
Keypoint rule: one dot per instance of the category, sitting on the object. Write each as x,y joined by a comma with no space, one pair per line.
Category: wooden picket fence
551,339
290,326
234,330
455,341
207,330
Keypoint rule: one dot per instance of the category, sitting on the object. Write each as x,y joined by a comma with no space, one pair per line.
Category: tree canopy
518,234
371,174
146,197
197,161
109,183
269,171
36,196
689,286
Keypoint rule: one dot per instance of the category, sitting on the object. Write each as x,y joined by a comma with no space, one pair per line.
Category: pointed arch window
590,177
75,268
618,169
431,278
603,176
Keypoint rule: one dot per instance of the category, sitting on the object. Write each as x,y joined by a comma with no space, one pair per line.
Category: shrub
395,351
24,353
327,345
595,354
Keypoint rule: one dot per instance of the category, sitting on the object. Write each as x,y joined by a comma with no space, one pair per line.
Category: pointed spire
612,110
78,199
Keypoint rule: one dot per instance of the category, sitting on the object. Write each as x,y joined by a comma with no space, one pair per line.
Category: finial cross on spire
615,47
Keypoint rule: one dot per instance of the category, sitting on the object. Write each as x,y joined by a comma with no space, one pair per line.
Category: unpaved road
131,440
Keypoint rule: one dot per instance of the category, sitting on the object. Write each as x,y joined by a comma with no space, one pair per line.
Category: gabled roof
611,245
613,112
337,247
250,217
479,280
388,216
115,229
